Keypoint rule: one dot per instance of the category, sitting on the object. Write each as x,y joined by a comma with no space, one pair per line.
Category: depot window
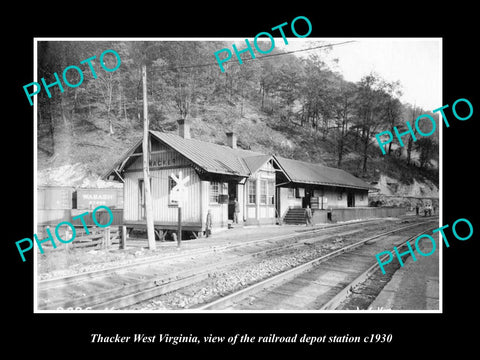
252,192
271,192
291,192
214,192
263,192
267,191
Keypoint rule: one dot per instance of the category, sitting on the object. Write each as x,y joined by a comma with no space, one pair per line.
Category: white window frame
271,196
263,192
252,185
218,190
291,193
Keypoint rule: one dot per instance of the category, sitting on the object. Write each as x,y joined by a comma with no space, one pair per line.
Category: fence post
106,237
123,237
67,236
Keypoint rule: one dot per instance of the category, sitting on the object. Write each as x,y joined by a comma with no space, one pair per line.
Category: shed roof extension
308,173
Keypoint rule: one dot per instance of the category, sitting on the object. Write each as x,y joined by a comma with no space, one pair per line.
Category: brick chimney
183,128
232,140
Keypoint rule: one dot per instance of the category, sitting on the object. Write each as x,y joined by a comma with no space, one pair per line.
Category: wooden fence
103,237
355,213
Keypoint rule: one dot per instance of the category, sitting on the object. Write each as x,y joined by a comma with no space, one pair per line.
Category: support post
106,237
123,237
67,236
179,237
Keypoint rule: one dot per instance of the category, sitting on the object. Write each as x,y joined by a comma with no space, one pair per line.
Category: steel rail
281,277
136,292
64,280
345,292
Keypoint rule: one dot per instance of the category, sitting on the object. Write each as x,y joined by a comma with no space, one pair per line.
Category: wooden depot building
267,187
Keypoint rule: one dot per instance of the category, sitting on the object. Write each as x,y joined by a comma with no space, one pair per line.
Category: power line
299,50
170,67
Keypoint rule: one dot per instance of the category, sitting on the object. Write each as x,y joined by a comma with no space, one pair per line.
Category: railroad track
240,277
88,275
123,286
320,284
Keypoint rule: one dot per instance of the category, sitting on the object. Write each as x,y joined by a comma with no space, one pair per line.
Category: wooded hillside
279,103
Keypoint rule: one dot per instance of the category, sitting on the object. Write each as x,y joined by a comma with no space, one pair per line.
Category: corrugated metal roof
304,172
209,156
223,159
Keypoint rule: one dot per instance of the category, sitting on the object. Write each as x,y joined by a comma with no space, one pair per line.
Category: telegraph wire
170,67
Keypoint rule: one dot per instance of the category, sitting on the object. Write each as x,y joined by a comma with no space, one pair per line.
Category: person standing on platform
208,224
428,210
308,216
237,210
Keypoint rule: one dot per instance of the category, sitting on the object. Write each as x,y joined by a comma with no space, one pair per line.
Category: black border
47,332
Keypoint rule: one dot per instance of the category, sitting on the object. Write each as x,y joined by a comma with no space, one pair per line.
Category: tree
344,101
316,96
369,106
55,112
179,78
410,138
427,148
392,107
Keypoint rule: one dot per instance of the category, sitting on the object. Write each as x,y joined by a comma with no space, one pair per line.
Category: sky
415,62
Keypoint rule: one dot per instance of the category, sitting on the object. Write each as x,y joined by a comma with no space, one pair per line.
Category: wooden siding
164,161
219,211
361,198
354,213
333,198
163,211
102,216
55,197
288,202
241,201
53,216
160,159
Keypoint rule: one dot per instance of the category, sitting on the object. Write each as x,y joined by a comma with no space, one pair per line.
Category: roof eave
331,184
115,168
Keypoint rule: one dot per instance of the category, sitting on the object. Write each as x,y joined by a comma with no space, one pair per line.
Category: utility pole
179,228
146,167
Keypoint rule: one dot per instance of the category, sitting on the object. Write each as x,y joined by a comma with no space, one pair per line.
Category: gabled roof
256,162
221,159
212,157
308,173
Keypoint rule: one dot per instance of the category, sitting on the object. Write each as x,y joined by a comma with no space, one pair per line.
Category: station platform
231,236
225,236
415,286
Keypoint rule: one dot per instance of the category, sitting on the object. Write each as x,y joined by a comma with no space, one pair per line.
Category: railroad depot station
269,189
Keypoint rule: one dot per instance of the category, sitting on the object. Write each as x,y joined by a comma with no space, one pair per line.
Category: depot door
306,200
141,198
350,199
232,195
